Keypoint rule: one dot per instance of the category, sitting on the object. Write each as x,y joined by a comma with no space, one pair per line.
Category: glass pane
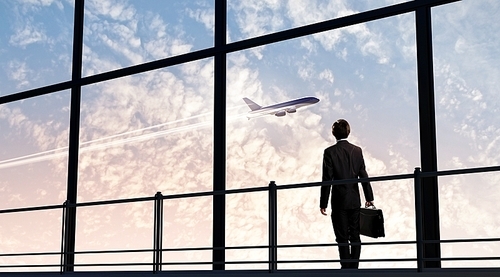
299,222
466,212
33,161
147,133
115,228
467,54
247,225
368,78
253,18
36,235
124,33
188,224
466,58
36,41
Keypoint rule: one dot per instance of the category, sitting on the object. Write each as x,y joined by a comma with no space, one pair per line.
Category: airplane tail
252,105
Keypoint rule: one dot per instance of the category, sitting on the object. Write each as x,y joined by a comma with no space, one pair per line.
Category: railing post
273,226
69,236
63,237
158,232
428,137
418,218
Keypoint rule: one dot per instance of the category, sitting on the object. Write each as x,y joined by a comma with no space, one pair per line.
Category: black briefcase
371,222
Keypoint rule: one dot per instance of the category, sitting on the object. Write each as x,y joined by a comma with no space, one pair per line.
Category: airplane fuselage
280,109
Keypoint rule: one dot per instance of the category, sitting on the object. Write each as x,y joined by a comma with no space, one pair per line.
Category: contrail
83,144
99,144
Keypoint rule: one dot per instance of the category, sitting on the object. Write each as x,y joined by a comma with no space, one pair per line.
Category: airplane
280,109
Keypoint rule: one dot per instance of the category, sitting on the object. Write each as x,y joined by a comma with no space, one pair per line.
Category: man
344,160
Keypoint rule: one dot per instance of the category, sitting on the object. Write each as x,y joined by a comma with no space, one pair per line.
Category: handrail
243,247
257,189
273,261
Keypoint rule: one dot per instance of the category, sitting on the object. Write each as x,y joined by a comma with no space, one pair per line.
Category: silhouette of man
344,160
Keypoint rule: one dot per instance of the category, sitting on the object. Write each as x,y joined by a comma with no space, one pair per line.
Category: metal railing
157,250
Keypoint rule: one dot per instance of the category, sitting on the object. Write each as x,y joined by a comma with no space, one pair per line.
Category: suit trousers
346,228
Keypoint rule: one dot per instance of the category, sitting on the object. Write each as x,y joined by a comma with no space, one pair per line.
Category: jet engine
291,110
280,113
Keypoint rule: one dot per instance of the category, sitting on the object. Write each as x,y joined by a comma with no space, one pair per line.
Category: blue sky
153,131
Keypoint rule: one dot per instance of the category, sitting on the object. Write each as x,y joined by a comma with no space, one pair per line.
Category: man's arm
367,187
323,200
323,211
327,176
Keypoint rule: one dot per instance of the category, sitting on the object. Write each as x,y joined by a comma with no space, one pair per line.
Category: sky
153,131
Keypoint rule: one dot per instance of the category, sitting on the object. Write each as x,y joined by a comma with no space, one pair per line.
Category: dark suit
345,161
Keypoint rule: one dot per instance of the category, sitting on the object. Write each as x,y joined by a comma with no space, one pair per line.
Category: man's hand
323,211
368,204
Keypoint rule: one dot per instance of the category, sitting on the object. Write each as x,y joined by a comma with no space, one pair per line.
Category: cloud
28,34
126,52
163,44
19,72
368,40
205,16
306,70
129,37
256,18
119,10
35,3
326,75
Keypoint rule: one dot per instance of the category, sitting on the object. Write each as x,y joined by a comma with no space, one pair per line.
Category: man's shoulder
332,147
329,148
342,144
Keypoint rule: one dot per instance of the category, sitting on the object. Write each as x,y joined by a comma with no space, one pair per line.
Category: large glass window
36,41
188,226
119,34
466,59
33,156
364,73
154,131
112,228
253,18
33,170
31,232
147,133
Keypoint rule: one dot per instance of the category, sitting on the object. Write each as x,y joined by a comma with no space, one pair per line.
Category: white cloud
163,44
305,70
326,75
116,9
28,34
39,2
242,81
304,12
137,37
19,72
119,47
255,18
205,16
307,43
368,41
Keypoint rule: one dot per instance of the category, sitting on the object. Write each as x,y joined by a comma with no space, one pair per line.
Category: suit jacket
344,161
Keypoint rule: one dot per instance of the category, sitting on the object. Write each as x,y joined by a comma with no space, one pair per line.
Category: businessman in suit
344,160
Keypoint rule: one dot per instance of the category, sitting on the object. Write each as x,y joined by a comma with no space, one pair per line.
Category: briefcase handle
372,207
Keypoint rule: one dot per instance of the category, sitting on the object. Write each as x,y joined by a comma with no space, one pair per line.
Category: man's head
341,129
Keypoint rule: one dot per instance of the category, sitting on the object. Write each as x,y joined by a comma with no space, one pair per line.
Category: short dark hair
341,129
